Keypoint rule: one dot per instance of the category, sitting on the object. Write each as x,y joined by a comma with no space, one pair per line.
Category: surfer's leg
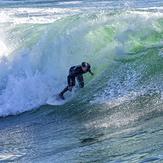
65,90
71,83
61,94
80,81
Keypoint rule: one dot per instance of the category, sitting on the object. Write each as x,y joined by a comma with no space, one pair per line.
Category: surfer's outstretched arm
91,73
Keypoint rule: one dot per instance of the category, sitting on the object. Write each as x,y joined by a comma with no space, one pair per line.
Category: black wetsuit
75,72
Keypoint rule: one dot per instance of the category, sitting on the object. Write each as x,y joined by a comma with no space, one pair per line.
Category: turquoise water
117,116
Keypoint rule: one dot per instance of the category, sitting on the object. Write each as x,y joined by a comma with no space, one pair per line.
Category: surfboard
55,100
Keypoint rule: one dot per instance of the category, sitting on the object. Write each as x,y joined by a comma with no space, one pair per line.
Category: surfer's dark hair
84,64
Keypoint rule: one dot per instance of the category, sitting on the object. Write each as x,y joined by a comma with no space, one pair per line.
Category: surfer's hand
70,89
91,73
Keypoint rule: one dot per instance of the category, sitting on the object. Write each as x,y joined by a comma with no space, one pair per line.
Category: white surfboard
55,100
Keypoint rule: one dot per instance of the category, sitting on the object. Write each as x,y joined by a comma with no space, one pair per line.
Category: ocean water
117,117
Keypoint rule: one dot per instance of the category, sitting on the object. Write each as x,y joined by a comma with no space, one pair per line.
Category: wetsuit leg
72,82
80,81
65,90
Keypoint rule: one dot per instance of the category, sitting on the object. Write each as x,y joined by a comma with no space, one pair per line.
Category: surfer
76,72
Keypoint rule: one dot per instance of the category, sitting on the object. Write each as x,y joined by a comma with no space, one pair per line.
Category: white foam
34,15
3,48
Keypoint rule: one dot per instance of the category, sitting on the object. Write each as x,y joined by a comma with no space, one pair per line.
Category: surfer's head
84,66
